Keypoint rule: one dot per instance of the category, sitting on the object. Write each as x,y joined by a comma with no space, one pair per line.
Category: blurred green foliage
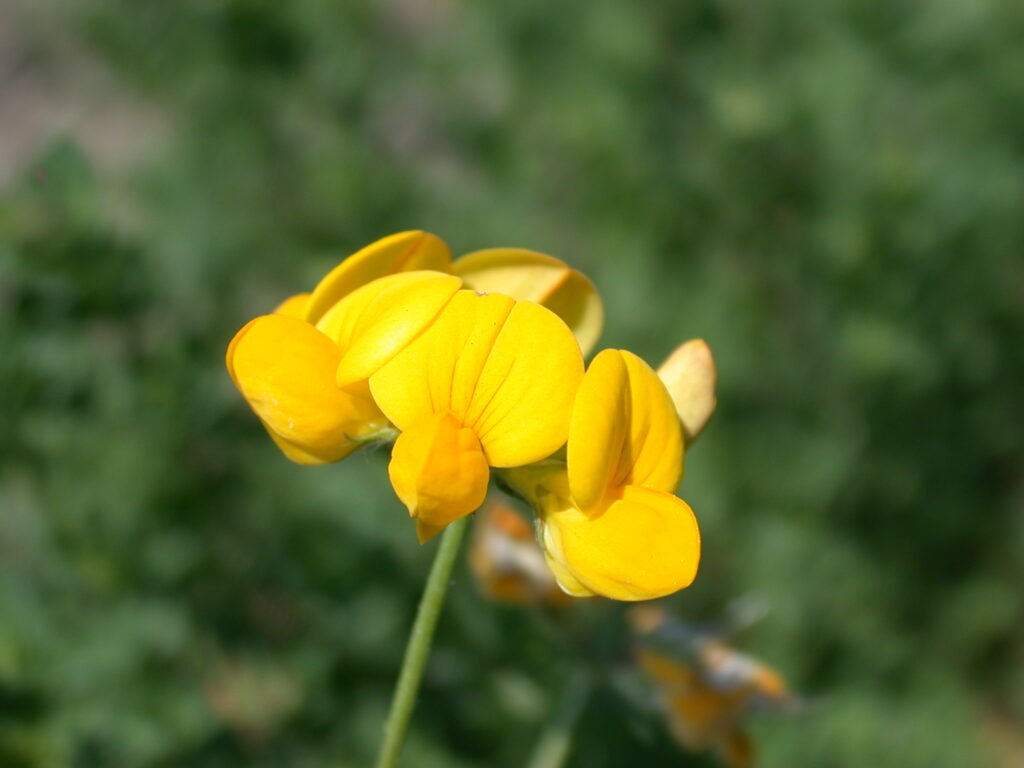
831,193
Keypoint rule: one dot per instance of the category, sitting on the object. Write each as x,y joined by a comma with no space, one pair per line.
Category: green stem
553,746
418,649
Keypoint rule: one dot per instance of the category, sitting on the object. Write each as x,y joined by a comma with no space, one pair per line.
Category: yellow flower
706,688
489,384
611,525
282,365
308,383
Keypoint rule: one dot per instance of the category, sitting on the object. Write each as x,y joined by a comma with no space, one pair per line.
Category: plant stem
553,746
418,648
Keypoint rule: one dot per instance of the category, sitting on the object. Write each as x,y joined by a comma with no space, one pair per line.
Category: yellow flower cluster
476,365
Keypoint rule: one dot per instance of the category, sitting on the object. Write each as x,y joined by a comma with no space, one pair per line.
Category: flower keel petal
439,472
285,369
643,546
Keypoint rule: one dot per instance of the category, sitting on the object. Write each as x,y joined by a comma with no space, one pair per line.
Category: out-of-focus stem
554,745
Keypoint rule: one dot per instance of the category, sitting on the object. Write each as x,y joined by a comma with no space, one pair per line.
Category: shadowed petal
532,276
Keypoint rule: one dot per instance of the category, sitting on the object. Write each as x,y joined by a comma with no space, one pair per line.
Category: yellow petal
523,398
402,252
690,377
438,471
642,546
293,305
598,429
437,373
285,369
624,430
565,578
506,370
532,276
375,322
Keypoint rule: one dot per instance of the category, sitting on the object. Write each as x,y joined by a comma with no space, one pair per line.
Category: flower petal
402,252
523,398
598,428
293,305
509,371
642,546
439,471
624,430
532,276
690,377
285,369
375,322
438,372
565,578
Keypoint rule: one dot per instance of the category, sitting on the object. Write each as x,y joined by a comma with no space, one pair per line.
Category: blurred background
831,193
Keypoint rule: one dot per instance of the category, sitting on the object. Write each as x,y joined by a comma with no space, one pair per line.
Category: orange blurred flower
706,688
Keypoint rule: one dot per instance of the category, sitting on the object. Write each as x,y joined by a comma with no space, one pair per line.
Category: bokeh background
830,192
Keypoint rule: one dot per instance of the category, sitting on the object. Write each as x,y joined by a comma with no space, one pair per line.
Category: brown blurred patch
51,86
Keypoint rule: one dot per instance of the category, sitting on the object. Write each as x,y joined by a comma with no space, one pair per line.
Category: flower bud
689,374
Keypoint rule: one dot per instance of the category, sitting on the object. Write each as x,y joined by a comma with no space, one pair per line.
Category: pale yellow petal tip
527,275
554,557
690,377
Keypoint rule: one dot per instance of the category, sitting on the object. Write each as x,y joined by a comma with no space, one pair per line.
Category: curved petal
508,371
642,546
401,252
437,373
624,430
523,397
293,305
690,377
598,428
438,471
532,276
285,369
565,578
375,322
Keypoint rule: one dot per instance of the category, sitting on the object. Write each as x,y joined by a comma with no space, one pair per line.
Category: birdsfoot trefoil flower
489,384
610,524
